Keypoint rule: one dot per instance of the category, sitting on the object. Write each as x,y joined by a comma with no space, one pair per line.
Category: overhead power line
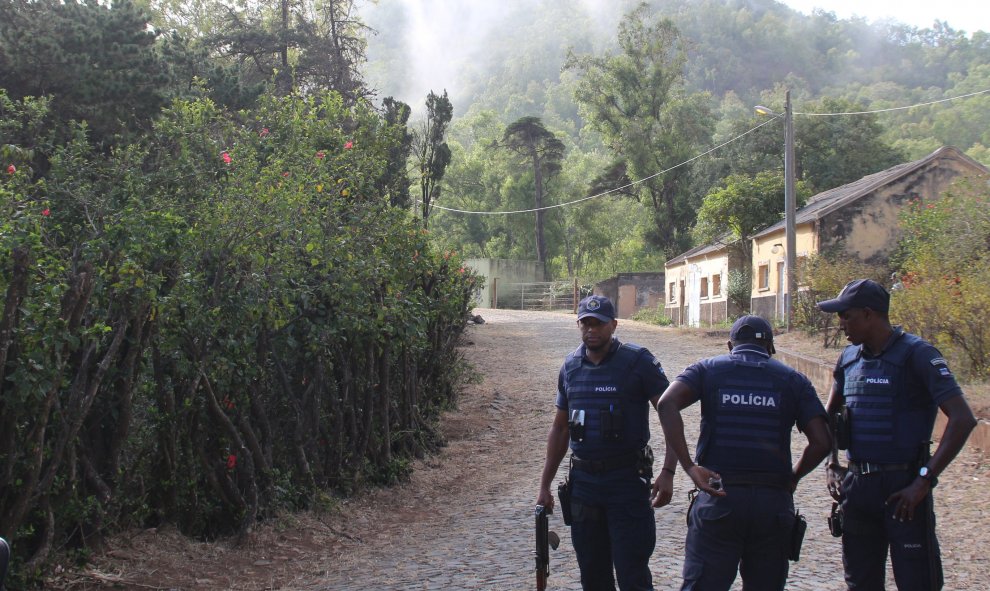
895,108
692,159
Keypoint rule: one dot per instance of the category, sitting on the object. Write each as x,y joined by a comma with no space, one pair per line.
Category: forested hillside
233,280
530,58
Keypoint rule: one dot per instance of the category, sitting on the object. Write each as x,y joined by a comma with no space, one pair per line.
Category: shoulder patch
656,362
939,361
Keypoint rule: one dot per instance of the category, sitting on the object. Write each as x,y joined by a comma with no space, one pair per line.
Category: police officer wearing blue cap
604,392
743,519
888,387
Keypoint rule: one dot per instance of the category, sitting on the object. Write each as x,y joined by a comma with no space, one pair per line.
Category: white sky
967,15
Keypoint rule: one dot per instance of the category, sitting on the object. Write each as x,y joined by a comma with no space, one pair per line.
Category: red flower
11,169
231,462
263,132
320,155
226,157
461,270
348,145
285,174
46,212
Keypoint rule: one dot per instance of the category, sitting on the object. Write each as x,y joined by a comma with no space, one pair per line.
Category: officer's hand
703,479
663,489
545,498
905,500
835,474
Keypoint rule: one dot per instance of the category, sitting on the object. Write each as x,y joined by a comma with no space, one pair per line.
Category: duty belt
606,464
758,479
863,468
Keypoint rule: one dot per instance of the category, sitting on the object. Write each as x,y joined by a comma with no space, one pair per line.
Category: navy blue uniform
749,404
613,521
892,399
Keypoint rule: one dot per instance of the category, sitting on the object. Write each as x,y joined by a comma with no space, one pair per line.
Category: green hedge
218,322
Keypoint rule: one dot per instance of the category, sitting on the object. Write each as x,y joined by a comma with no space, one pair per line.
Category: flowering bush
205,340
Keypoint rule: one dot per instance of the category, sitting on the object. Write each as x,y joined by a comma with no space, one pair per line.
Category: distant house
697,283
632,292
860,219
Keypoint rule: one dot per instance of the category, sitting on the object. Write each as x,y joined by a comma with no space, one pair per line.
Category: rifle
4,560
545,539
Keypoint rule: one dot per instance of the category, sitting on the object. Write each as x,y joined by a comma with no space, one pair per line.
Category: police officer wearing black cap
888,387
743,519
604,392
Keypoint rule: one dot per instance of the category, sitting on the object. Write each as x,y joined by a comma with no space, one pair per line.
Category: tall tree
394,183
833,151
543,151
637,100
432,150
743,205
98,62
299,44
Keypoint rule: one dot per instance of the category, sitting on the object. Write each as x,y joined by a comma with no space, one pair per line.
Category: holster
564,494
797,537
835,521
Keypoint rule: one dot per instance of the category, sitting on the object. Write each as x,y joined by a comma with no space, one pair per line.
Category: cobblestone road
466,521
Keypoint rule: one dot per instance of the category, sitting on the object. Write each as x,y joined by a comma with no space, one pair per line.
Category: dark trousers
613,527
748,530
870,530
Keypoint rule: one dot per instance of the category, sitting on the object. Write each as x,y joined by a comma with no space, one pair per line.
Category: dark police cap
751,327
597,306
861,293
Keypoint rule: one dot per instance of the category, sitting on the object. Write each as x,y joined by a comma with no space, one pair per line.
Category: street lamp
790,203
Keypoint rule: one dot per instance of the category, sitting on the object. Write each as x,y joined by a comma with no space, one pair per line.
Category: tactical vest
890,412
746,417
616,417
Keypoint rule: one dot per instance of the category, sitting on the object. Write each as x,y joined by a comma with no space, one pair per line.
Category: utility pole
790,205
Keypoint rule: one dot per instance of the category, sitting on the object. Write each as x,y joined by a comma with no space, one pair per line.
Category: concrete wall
503,276
632,292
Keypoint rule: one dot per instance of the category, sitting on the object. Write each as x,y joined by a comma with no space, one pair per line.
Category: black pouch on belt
564,494
797,537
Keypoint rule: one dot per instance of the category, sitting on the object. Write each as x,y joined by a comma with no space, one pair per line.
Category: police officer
604,392
889,385
743,519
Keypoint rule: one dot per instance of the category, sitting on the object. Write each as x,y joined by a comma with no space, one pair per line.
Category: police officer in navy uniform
888,387
743,518
604,392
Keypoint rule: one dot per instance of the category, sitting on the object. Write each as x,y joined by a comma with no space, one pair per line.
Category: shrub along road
464,520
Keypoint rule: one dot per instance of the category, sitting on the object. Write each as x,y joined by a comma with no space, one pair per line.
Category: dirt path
464,520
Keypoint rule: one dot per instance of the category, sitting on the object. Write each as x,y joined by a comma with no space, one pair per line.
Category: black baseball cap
597,306
861,293
751,327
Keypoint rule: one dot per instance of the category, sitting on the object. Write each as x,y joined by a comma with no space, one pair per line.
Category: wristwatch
925,473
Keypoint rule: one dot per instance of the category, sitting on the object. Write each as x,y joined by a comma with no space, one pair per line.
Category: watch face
923,472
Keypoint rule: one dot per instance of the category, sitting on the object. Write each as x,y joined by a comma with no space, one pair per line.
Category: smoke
436,45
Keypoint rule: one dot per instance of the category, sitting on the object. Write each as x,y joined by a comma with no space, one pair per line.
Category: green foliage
656,316
839,150
215,323
301,46
739,288
542,152
942,293
743,205
98,62
638,101
822,277
432,152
